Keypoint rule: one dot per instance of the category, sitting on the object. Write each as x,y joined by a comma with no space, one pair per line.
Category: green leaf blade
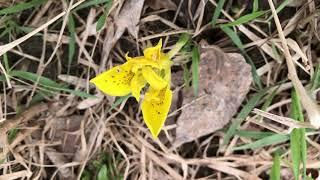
21,7
195,69
237,41
217,12
245,18
103,173
243,114
267,141
275,170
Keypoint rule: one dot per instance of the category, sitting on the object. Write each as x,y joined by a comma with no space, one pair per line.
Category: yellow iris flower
154,69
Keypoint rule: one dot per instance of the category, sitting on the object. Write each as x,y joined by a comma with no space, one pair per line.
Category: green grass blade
253,134
243,114
39,97
280,7
86,175
6,62
6,31
119,101
275,170
12,134
34,77
315,82
89,3
246,18
233,36
255,6
2,78
21,7
183,40
237,41
296,109
195,69
217,12
72,41
101,21
48,83
298,144
303,153
103,173
267,141
186,75
295,147
269,99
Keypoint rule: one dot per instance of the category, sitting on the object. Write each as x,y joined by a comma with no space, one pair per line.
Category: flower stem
181,42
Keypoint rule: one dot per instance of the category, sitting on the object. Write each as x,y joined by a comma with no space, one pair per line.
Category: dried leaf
89,102
63,129
161,4
129,17
295,3
60,160
224,81
74,80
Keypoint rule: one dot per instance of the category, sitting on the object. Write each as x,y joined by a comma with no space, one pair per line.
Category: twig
23,117
310,106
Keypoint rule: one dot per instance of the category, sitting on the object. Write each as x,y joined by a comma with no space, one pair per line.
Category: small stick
23,117
309,105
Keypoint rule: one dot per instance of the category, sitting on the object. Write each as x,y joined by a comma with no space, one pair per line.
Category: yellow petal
137,83
153,78
155,109
153,53
141,62
116,81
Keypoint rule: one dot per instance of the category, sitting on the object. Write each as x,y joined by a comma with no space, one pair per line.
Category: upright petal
153,53
116,81
153,78
166,66
137,83
155,108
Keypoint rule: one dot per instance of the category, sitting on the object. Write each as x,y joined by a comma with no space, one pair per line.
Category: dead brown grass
61,137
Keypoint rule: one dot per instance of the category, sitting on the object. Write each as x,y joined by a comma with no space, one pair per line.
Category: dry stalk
310,106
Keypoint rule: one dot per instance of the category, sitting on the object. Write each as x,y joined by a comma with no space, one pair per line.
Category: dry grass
59,133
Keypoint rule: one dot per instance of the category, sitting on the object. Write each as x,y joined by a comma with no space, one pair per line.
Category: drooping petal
137,83
153,78
153,53
155,108
116,81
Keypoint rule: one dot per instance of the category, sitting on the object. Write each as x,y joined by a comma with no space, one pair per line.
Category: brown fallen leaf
128,18
60,161
85,104
224,80
66,129
161,4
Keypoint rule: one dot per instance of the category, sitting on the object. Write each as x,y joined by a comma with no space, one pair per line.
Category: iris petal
137,83
153,53
115,81
153,78
155,108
